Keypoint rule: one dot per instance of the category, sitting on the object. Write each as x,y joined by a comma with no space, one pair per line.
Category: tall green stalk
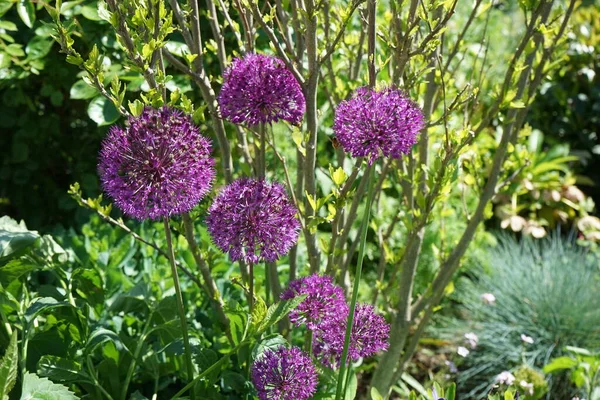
181,309
361,254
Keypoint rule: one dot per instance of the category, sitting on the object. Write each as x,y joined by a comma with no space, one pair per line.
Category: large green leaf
61,369
15,269
102,111
36,388
8,367
14,238
43,304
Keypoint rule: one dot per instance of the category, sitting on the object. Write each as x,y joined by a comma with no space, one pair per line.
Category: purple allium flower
373,123
324,301
370,335
284,374
253,220
157,165
260,89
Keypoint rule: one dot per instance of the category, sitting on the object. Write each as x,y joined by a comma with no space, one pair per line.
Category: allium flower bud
284,374
324,301
260,89
158,165
375,123
253,220
370,333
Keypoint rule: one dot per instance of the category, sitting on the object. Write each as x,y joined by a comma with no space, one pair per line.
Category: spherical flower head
284,374
260,89
156,166
375,123
370,333
253,220
324,301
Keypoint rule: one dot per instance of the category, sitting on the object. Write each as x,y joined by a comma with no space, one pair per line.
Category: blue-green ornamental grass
545,299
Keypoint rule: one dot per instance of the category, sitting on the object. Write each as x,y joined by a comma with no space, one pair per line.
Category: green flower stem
181,309
136,355
361,254
251,287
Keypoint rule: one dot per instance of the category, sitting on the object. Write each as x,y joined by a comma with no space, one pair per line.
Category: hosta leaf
36,388
8,367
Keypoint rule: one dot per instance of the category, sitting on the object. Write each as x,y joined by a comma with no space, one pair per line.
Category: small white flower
488,298
505,378
462,351
471,339
527,386
526,339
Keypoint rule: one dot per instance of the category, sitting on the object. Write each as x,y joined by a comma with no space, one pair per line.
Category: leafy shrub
546,290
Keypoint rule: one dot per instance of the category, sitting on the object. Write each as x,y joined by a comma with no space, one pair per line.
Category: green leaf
15,50
259,312
43,304
136,107
578,350
102,111
38,47
8,26
100,336
237,324
233,381
414,384
26,12
88,284
270,342
15,269
375,395
5,6
36,388
81,90
61,369
339,176
517,104
559,364
451,393
279,310
8,367
350,393
90,12
15,238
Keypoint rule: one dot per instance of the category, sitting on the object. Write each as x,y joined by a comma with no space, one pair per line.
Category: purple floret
260,89
253,220
156,166
372,123
324,301
284,374
370,333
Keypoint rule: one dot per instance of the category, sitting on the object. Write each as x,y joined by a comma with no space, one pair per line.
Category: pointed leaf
279,310
36,388
8,367
26,11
